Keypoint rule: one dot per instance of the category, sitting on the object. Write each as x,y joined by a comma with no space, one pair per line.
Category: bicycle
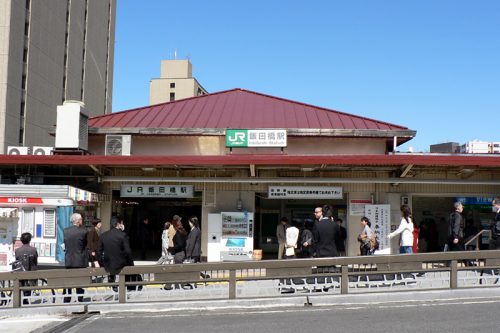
29,296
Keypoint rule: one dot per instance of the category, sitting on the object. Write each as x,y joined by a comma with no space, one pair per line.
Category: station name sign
304,192
244,138
156,191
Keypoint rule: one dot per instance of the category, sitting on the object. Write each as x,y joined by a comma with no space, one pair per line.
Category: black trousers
68,291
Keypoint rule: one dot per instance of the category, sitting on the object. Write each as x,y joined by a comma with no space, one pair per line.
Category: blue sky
430,65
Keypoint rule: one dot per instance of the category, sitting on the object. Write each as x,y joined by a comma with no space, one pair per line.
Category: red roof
355,160
237,108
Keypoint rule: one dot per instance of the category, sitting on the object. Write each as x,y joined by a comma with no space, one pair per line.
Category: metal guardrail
476,238
228,279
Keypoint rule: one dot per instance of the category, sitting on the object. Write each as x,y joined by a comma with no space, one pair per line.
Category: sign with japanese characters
156,191
380,218
304,192
244,138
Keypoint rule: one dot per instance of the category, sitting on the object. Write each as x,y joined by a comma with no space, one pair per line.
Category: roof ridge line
319,107
170,102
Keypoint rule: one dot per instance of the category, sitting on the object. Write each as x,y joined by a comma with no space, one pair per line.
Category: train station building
240,160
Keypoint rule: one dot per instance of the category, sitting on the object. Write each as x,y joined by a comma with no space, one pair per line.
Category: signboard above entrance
244,138
156,191
304,192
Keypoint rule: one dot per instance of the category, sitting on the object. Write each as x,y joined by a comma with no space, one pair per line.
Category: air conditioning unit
72,126
118,145
15,150
37,150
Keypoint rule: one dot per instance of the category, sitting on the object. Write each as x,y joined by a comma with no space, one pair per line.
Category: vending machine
230,236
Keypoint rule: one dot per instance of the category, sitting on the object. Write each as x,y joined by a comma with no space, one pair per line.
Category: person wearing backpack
495,226
406,230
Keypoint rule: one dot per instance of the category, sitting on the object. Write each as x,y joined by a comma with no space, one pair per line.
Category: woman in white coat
406,231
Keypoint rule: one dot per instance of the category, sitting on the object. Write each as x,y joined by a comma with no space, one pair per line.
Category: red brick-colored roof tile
237,108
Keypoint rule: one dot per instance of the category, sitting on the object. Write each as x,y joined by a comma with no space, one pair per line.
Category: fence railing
269,278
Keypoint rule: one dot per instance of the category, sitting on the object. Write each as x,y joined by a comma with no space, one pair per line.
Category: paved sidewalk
36,318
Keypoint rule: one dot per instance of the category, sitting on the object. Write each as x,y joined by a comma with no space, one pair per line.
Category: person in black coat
179,240
325,233
75,247
144,237
113,249
341,238
28,257
193,242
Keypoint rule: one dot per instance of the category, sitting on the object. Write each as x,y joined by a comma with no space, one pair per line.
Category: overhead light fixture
148,169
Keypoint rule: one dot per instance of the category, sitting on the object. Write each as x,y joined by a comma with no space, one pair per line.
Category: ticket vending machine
230,236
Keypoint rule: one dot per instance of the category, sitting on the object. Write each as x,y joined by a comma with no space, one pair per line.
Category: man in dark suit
325,233
456,228
114,249
75,247
495,226
193,242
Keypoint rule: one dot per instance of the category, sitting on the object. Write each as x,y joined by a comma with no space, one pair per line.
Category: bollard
232,284
344,280
122,289
16,294
453,274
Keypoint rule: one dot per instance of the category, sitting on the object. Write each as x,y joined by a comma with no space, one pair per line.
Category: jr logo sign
255,138
237,138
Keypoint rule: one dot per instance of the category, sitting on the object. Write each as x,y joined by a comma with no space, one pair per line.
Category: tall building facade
176,82
52,51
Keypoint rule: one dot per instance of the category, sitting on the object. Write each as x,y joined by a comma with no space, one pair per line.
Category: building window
172,84
28,222
49,223
172,96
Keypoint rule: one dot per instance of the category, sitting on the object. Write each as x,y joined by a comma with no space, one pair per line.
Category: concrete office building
52,51
176,82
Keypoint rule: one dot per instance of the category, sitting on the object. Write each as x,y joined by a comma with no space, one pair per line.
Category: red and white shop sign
20,200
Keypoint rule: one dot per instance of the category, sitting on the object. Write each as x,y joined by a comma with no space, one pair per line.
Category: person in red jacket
416,233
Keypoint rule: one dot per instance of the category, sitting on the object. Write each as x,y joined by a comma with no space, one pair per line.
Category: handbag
290,251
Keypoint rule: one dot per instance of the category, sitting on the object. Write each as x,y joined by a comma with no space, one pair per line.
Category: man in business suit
193,242
114,249
75,247
325,233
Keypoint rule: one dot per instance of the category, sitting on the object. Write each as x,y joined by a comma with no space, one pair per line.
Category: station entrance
133,211
268,213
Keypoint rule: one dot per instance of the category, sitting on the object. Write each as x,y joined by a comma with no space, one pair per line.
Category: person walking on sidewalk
75,247
495,226
193,242
114,249
405,229
456,228
281,236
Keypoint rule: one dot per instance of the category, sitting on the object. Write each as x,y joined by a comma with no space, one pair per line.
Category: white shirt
406,231
292,234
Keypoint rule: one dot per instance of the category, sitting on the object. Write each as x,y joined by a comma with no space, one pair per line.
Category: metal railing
270,278
476,238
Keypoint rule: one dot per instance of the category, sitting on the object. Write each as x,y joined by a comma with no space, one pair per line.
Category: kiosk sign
244,138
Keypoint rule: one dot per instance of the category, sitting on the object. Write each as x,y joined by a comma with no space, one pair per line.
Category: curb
296,301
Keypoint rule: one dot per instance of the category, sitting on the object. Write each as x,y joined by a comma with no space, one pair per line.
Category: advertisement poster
379,216
357,206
